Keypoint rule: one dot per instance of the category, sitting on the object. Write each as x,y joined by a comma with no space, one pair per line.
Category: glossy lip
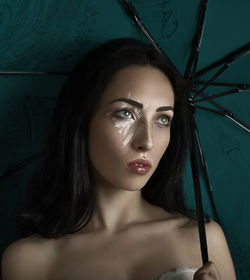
140,161
140,166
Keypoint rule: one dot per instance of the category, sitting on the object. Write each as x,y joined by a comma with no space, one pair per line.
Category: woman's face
132,122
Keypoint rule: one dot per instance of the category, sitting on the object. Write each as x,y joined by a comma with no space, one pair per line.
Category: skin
127,238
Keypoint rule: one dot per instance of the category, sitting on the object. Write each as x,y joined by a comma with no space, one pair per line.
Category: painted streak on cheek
127,127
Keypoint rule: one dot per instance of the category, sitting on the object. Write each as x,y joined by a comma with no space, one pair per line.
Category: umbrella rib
130,9
12,171
209,110
228,59
193,60
30,73
198,92
134,15
214,77
235,119
212,97
226,113
205,171
223,84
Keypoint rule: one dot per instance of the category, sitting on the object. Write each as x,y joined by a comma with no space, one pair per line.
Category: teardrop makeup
127,128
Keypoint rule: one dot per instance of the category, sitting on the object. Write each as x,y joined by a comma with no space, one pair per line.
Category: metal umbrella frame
192,93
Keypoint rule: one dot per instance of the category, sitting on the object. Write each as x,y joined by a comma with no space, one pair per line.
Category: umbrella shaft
197,190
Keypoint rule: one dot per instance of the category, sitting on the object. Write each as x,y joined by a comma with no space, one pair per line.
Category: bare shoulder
27,258
218,250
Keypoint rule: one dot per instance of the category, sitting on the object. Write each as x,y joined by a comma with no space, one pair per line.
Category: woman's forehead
144,84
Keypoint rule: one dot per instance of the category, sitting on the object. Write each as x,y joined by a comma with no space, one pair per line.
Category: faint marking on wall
83,35
169,22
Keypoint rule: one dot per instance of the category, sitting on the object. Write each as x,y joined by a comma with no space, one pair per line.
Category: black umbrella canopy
38,39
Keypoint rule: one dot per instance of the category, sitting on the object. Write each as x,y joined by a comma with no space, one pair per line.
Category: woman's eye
127,114
124,114
165,120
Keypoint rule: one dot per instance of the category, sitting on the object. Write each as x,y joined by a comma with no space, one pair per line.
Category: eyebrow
140,106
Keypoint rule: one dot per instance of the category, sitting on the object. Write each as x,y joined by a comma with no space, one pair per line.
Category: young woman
106,201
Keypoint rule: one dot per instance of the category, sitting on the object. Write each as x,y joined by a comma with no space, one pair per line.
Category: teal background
45,35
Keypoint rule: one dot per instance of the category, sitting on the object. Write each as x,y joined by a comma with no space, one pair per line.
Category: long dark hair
61,198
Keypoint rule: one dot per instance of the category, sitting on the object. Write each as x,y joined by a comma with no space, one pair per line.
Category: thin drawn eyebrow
140,106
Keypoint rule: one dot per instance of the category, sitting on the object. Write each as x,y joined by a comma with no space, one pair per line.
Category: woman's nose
143,138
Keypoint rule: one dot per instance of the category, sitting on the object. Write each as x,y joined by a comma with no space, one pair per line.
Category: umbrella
197,89
37,54
193,90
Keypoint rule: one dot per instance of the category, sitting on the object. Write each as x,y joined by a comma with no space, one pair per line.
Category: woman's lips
140,166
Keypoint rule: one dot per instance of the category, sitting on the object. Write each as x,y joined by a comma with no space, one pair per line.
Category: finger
203,276
207,271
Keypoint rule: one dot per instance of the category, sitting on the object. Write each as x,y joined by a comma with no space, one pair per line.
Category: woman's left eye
165,120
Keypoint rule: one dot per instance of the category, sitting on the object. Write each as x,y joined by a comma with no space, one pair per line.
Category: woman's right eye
124,114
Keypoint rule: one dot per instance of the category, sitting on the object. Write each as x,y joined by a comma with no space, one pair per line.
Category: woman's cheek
161,136
126,130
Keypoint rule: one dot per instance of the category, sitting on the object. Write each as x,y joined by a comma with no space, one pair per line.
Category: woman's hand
207,272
